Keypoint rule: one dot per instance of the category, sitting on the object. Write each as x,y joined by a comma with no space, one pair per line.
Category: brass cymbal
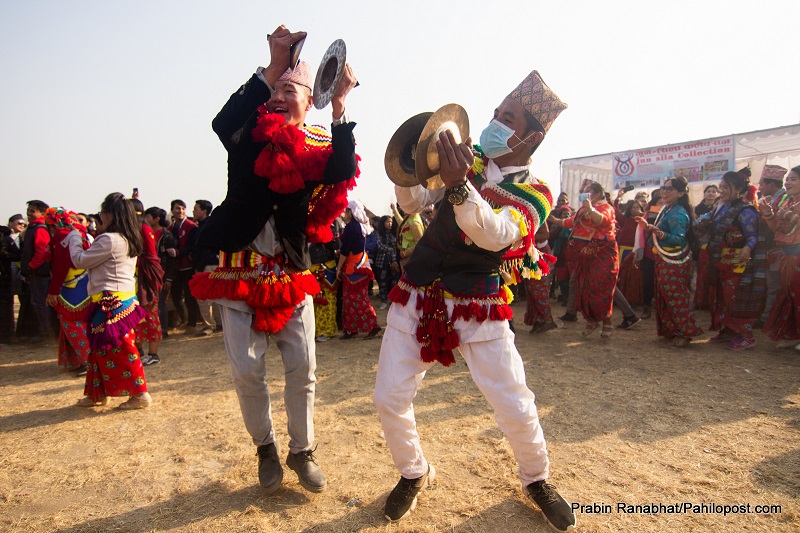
451,117
294,53
402,149
329,74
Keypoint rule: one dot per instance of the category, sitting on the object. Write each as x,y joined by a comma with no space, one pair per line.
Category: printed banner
697,161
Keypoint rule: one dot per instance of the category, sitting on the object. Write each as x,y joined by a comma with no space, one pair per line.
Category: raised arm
97,254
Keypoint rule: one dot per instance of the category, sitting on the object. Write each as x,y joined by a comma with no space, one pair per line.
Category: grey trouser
246,349
209,311
773,286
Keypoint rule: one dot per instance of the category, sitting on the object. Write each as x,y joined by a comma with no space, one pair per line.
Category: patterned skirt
721,298
596,270
357,311
784,319
73,344
673,309
114,368
149,329
537,301
325,301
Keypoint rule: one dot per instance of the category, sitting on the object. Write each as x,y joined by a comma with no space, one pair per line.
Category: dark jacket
249,203
168,264
201,257
9,253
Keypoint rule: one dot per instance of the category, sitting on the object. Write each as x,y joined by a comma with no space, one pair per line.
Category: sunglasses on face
667,188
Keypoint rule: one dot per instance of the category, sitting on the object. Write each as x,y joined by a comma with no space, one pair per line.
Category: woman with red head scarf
67,293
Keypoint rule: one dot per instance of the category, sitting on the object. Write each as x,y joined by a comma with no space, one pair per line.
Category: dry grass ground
627,420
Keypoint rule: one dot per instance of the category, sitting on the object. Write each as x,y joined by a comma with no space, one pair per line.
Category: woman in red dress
596,266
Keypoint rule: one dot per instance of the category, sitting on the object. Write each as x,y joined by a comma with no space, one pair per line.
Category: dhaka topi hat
300,75
773,172
538,100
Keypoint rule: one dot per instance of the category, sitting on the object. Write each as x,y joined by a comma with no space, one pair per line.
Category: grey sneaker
308,472
556,510
403,498
270,471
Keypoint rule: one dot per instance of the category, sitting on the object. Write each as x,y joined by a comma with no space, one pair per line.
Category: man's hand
346,84
51,300
455,159
766,208
279,42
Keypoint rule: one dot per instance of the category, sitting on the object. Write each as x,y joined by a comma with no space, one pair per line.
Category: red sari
537,298
596,272
596,261
357,311
150,275
673,311
784,319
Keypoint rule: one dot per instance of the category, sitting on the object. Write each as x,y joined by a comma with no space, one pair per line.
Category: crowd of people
287,258
732,254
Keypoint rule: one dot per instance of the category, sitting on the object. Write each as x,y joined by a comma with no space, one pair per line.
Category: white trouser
496,368
246,349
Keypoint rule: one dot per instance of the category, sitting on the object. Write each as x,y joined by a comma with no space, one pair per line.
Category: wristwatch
457,195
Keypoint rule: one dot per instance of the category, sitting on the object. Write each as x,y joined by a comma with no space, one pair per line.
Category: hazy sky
103,96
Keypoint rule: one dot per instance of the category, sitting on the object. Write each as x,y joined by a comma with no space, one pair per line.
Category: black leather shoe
629,322
308,472
403,498
270,471
566,317
556,510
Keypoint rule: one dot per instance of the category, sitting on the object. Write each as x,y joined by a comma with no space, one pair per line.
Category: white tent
776,146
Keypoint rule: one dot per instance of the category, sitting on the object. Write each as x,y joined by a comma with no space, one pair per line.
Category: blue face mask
494,139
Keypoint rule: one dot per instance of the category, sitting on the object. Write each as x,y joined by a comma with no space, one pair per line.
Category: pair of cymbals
329,73
411,157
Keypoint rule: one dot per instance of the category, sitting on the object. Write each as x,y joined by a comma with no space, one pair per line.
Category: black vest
442,253
28,250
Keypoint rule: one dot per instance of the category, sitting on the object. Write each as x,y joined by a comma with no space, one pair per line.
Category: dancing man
286,183
453,294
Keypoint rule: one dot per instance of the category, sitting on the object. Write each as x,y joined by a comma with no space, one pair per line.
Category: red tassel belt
273,296
436,331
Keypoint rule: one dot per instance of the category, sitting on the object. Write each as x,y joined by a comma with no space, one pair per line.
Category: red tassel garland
272,296
399,295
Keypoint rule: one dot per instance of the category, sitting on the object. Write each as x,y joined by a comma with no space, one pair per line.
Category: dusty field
627,420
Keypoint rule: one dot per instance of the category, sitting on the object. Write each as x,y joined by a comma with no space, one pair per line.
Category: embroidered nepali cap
538,99
773,172
300,75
